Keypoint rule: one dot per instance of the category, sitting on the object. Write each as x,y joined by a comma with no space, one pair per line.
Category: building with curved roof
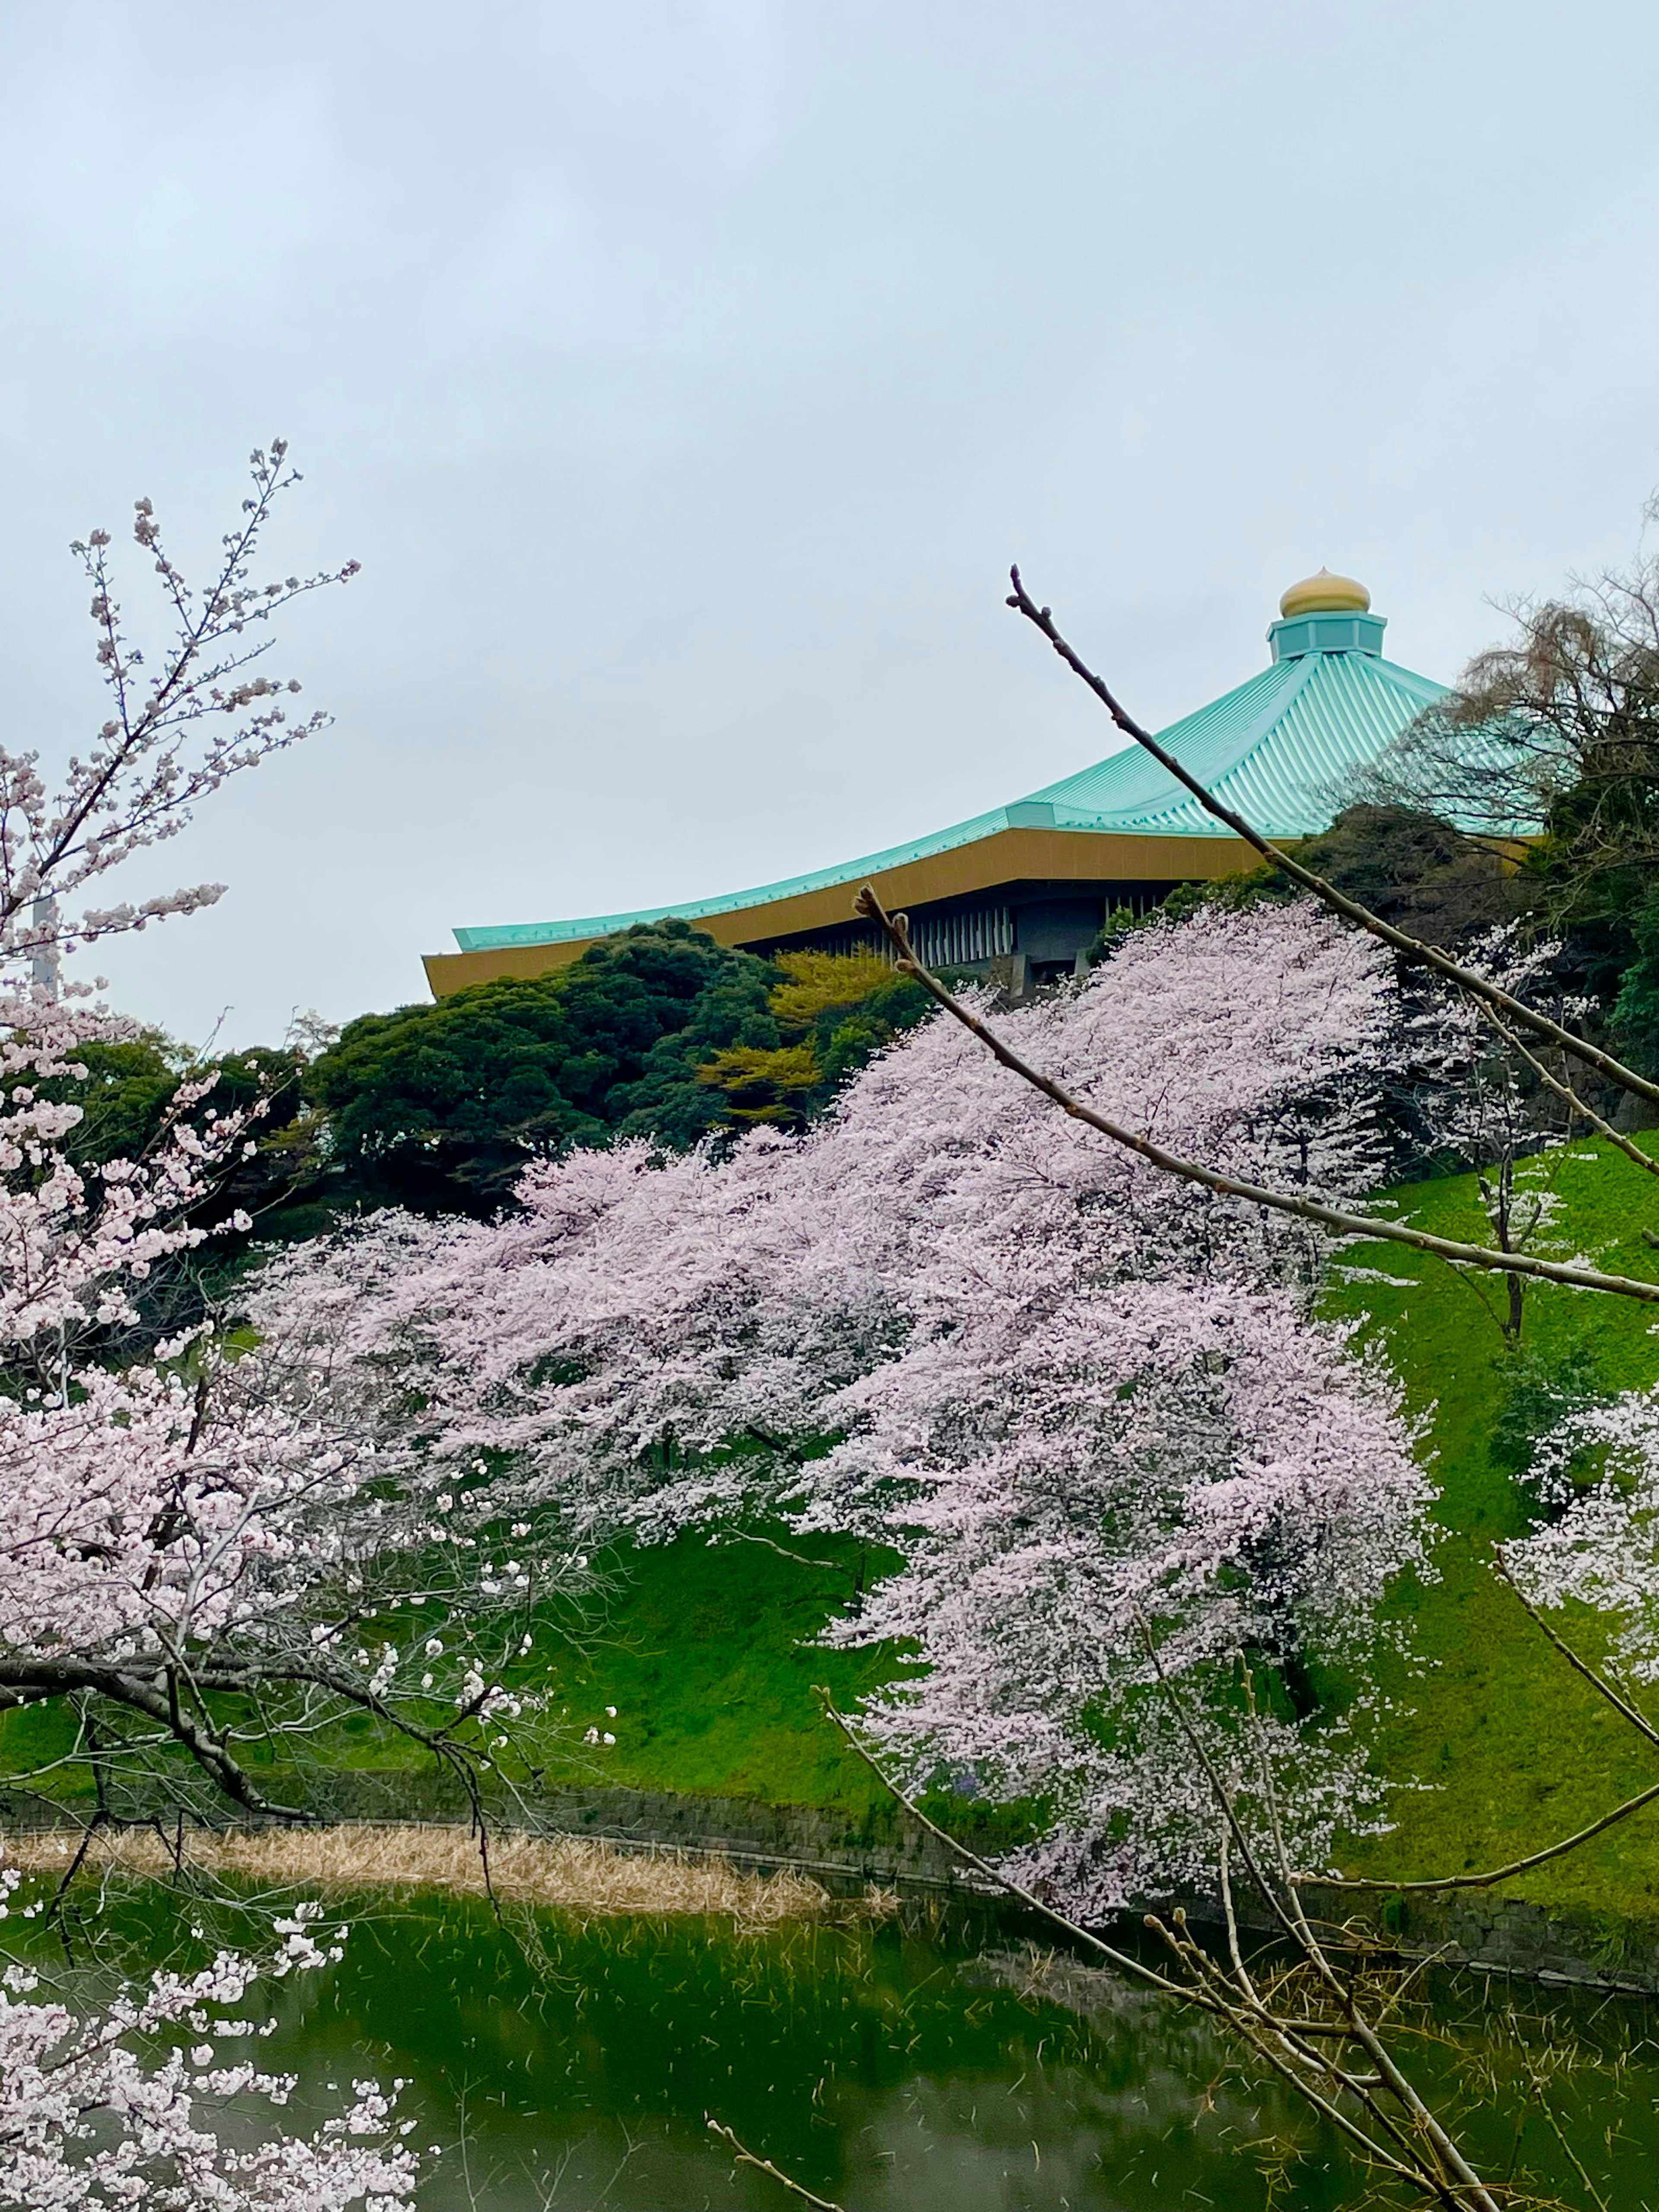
1024,889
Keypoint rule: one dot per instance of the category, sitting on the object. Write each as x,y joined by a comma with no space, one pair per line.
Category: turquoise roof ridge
1272,750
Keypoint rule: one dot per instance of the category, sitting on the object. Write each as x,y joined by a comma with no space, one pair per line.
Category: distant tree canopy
441,1107
1414,870
1418,872
1530,790
657,1032
1558,729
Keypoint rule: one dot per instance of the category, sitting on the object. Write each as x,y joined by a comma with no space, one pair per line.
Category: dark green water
572,2065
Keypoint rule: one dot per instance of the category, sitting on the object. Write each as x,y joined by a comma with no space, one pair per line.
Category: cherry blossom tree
1160,1486
178,721
1079,1402
193,1549
1319,2028
199,1549
1503,1110
1598,1472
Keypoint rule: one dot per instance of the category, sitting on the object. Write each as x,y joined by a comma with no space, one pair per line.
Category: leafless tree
1559,729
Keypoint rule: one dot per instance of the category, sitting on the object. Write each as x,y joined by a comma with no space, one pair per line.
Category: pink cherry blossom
1603,1550
205,1521
1083,1402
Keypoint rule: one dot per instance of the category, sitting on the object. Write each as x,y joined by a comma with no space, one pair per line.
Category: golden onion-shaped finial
1325,594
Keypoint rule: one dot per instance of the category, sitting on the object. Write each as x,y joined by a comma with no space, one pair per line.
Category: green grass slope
706,1652
1498,1748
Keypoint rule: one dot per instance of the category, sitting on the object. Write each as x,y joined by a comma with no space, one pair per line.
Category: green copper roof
1272,750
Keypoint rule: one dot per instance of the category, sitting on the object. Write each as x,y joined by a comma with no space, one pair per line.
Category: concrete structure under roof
1024,889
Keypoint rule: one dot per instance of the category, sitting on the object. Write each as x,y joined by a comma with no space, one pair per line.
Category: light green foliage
835,1010
765,1084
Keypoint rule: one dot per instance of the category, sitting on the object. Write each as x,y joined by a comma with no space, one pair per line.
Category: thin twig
1121,1960
765,2165
1496,1874
1218,1789
1580,1665
1413,949
1575,1105
801,1558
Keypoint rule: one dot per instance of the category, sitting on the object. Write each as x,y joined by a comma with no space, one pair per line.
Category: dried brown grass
577,1874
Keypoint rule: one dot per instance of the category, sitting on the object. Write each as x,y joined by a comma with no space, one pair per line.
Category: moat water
933,2067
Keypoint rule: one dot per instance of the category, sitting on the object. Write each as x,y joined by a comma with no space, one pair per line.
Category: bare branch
765,2165
1496,1874
1410,948
1303,1209
1575,1105
1580,1665
1122,1959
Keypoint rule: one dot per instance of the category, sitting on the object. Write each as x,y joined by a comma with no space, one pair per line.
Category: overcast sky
684,375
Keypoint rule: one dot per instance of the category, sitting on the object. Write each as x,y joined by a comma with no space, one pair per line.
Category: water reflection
884,2068
936,2068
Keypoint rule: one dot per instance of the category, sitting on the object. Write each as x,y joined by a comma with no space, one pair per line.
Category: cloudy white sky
686,373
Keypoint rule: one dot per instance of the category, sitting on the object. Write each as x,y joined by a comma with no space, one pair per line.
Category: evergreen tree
441,1107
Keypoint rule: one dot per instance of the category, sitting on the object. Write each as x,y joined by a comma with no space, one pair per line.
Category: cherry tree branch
32,1681
1647,1162
1580,1665
764,2165
1368,1226
1290,2048
140,781
1496,1874
1410,948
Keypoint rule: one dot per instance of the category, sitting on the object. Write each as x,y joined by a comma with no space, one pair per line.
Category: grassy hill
1506,1748
706,1652
1497,1747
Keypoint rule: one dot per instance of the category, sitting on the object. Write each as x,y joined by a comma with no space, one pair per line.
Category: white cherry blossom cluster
1600,1472
199,1524
180,717
89,2119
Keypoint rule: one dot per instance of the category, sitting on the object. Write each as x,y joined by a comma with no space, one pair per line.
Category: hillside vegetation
1497,1747
707,1653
